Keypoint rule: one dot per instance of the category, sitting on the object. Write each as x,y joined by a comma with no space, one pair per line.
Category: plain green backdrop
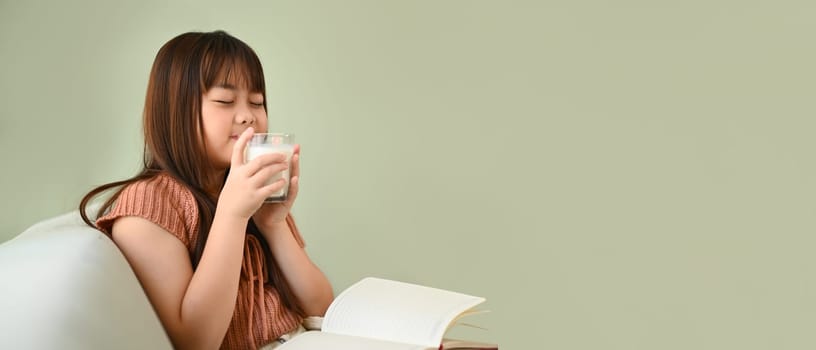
608,174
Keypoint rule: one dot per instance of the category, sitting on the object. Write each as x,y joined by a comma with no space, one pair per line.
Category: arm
310,285
195,308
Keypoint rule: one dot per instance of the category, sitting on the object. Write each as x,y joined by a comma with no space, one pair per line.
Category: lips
236,135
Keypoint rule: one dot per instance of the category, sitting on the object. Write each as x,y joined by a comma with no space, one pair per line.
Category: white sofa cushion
65,285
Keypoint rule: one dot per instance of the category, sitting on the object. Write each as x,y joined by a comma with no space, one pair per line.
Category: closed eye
257,104
223,102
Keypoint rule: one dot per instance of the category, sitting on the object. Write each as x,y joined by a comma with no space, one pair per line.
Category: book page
321,340
396,311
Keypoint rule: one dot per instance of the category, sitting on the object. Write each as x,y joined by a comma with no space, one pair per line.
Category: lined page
396,311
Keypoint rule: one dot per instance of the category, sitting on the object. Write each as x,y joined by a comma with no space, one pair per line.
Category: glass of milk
273,143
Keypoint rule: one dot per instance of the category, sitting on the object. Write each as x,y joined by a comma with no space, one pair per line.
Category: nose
245,118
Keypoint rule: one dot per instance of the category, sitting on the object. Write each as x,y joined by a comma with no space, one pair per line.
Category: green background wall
610,175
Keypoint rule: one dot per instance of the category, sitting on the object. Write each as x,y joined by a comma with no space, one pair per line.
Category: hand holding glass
273,143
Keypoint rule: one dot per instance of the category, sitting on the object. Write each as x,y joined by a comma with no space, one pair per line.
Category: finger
239,146
296,164
266,173
263,161
294,186
272,188
294,180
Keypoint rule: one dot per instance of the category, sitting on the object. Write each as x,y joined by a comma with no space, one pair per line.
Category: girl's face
226,111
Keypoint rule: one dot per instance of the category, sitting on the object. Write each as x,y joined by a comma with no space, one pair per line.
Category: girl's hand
271,214
245,189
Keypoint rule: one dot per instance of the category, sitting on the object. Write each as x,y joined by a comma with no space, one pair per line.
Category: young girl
220,267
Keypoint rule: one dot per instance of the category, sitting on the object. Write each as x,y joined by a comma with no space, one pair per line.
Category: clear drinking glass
264,143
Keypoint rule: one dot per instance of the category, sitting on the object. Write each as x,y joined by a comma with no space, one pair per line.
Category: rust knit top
259,316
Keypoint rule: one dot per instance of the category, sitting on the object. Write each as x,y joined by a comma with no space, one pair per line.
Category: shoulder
161,200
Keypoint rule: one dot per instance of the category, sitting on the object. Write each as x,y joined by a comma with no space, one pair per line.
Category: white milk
253,151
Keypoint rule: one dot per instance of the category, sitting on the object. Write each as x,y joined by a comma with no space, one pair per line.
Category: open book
379,314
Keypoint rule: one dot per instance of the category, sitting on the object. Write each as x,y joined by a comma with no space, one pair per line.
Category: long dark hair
184,69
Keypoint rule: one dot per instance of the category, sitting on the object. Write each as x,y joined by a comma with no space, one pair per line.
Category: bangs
229,62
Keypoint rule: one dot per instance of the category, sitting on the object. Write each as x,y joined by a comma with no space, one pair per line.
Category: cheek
214,136
263,125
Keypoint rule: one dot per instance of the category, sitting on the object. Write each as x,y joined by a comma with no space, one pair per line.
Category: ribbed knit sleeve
160,200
